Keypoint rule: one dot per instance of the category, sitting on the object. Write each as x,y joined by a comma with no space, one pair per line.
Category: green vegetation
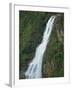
31,27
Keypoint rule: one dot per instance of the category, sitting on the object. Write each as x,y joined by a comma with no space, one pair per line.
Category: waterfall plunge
35,67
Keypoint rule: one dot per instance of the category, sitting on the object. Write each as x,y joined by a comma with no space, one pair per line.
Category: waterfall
35,67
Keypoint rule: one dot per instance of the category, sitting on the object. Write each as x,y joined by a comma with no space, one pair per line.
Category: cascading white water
35,67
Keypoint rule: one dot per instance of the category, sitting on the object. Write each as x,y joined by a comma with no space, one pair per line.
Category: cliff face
31,28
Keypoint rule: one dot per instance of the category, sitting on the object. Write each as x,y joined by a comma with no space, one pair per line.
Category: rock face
31,28
60,28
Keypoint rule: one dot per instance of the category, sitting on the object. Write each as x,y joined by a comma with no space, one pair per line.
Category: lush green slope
31,28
